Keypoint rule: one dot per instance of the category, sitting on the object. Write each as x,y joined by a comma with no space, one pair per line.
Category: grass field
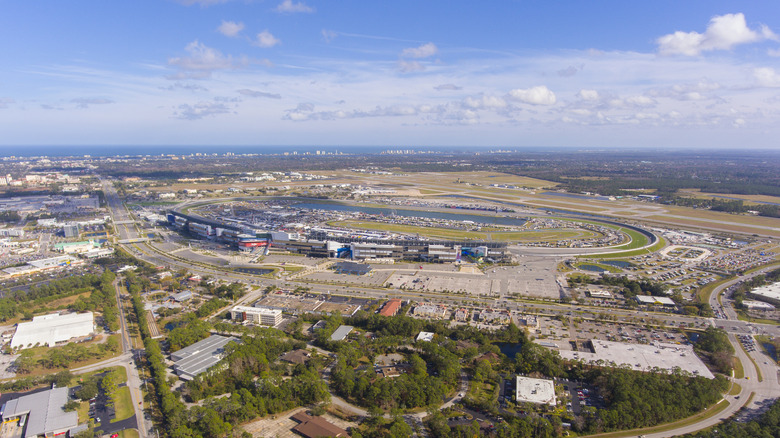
128,433
123,404
445,233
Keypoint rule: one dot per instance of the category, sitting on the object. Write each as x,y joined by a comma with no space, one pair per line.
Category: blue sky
693,74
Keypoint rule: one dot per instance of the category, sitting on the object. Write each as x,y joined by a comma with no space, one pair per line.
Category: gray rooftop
341,333
44,410
201,355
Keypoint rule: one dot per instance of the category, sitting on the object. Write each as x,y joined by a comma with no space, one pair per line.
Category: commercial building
41,414
75,247
258,315
655,301
391,308
53,328
200,356
539,391
71,230
757,305
430,311
341,333
769,293
11,232
641,357
316,427
41,265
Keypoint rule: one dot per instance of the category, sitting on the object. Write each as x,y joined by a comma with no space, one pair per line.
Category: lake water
770,349
618,263
592,268
499,220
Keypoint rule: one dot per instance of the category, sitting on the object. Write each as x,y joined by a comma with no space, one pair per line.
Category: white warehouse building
53,328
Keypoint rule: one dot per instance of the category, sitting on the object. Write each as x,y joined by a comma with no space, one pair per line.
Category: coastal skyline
515,74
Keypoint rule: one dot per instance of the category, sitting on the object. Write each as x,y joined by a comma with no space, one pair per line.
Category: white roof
257,310
425,336
53,328
752,304
539,391
44,411
648,299
642,357
771,291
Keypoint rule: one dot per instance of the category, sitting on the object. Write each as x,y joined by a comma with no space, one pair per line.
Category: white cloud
723,33
329,35
288,7
447,87
589,95
5,101
486,102
539,95
424,51
410,66
201,62
202,3
86,102
266,39
767,77
253,93
201,110
230,28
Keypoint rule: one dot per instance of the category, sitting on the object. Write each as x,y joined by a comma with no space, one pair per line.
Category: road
766,390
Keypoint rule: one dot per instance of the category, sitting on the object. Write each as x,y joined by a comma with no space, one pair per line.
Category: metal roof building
200,356
53,328
341,333
42,412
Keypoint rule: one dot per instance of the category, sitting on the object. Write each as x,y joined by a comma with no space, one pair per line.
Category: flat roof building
200,356
648,299
258,315
757,305
769,293
53,328
642,357
341,333
42,413
539,391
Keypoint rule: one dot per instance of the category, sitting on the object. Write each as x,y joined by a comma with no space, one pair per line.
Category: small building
656,301
391,308
539,391
182,296
53,328
425,336
341,333
200,356
41,414
296,357
462,315
757,305
258,315
71,230
600,294
316,427
430,311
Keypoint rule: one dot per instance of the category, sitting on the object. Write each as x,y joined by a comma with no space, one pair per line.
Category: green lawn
123,405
